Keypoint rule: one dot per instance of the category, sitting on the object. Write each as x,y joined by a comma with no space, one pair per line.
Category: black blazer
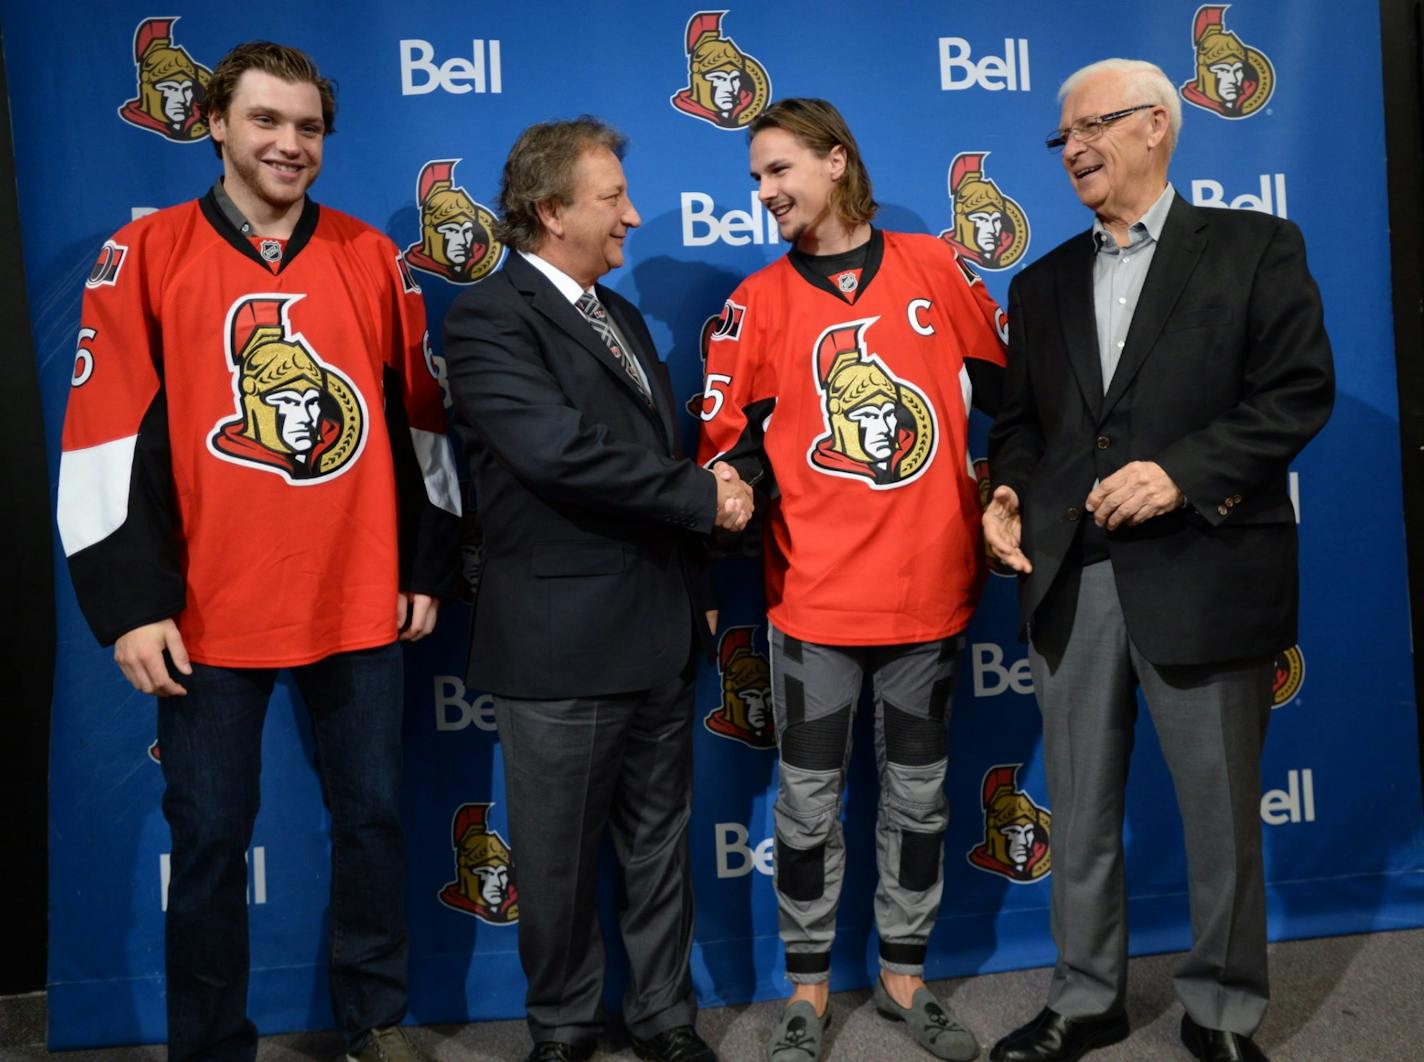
594,578
1225,375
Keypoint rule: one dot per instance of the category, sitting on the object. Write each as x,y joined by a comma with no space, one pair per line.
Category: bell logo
993,73
702,226
454,712
479,73
992,678
1270,197
737,859
1294,803
256,876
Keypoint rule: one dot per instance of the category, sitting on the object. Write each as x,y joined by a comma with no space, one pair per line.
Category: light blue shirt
1118,273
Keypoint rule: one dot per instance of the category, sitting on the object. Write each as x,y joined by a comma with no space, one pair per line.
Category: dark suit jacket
594,577
1225,375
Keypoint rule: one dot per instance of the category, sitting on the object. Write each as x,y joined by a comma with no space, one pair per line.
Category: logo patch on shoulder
107,265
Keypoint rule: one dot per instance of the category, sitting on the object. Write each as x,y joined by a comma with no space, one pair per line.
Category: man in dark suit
1164,369
593,593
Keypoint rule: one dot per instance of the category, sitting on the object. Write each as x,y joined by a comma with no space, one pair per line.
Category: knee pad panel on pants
800,872
921,856
816,744
913,740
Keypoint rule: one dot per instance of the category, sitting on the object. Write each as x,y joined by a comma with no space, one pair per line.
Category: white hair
1147,81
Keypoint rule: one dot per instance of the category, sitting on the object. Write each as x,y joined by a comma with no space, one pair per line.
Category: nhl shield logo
1016,830
171,86
295,415
1233,79
879,429
745,712
1289,676
457,240
726,87
990,229
484,869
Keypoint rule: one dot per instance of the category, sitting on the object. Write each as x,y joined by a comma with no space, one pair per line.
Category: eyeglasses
1089,129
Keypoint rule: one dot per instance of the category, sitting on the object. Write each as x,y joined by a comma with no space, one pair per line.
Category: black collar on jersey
814,267
222,214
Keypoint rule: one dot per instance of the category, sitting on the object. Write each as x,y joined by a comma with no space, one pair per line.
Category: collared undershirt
1118,273
569,288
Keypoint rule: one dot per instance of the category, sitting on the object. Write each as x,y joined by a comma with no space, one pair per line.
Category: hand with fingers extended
1132,495
734,498
1003,529
139,654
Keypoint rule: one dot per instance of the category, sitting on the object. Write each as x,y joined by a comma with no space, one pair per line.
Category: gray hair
541,167
1145,78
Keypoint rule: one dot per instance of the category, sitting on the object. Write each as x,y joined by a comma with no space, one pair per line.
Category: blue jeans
211,742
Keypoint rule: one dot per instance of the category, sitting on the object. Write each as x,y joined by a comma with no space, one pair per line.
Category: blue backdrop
924,86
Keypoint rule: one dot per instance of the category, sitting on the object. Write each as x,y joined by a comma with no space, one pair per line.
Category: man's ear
836,158
550,213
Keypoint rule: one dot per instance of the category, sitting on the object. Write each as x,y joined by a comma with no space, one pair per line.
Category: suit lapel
1176,256
1080,326
647,359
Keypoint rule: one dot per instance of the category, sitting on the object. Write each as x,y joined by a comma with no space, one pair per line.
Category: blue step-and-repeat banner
950,104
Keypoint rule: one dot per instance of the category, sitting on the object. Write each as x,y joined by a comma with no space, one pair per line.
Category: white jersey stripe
94,492
442,485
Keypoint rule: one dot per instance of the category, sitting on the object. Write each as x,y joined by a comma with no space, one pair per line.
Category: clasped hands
734,498
1132,495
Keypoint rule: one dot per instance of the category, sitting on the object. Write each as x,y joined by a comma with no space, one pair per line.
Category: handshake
734,498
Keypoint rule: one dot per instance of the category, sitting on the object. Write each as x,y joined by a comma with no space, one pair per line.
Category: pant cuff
808,967
903,956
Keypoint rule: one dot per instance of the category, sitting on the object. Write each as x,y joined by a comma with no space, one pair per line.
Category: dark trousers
1211,722
574,768
210,743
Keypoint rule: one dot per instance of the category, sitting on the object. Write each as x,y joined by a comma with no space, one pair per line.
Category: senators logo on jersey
725,86
990,229
171,86
1289,676
484,867
296,416
1233,80
1016,830
878,428
456,233
745,712
107,265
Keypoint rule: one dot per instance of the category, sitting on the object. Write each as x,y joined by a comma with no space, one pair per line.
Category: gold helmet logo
1233,80
171,86
1016,830
456,233
990,229
295,416
878,428
725,86
484,869
745,712
1289,676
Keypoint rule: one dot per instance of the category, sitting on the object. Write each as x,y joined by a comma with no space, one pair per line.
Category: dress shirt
1118,273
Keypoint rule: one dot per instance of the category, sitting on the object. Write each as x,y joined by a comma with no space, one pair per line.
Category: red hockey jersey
856,403
255,439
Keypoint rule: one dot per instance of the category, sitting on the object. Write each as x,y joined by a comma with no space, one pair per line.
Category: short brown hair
540,167
290,64
820,127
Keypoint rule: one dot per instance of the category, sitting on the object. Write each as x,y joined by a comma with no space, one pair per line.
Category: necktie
594,313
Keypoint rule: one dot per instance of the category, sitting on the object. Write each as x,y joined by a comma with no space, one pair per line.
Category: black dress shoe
1051,1037
1218,1045
558,1051
681,1044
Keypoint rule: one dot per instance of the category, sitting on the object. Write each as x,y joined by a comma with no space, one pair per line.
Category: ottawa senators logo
1016,830
1233,80
878,428
990,229
483,885
295,416
171,86
745,712
725,86
456,233
1289,676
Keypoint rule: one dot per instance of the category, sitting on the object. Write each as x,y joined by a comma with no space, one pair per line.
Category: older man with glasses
1164,369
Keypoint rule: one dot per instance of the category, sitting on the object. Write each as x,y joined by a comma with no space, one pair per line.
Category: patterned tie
596,315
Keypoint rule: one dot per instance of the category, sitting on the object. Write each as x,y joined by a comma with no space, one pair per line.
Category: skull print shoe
800,1035
932,1024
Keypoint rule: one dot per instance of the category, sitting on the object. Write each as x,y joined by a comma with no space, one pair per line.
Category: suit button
1071,513
1222,510
1104,442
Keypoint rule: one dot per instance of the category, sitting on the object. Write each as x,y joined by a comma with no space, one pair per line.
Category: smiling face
271,137
795,185
1123,170
585,237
